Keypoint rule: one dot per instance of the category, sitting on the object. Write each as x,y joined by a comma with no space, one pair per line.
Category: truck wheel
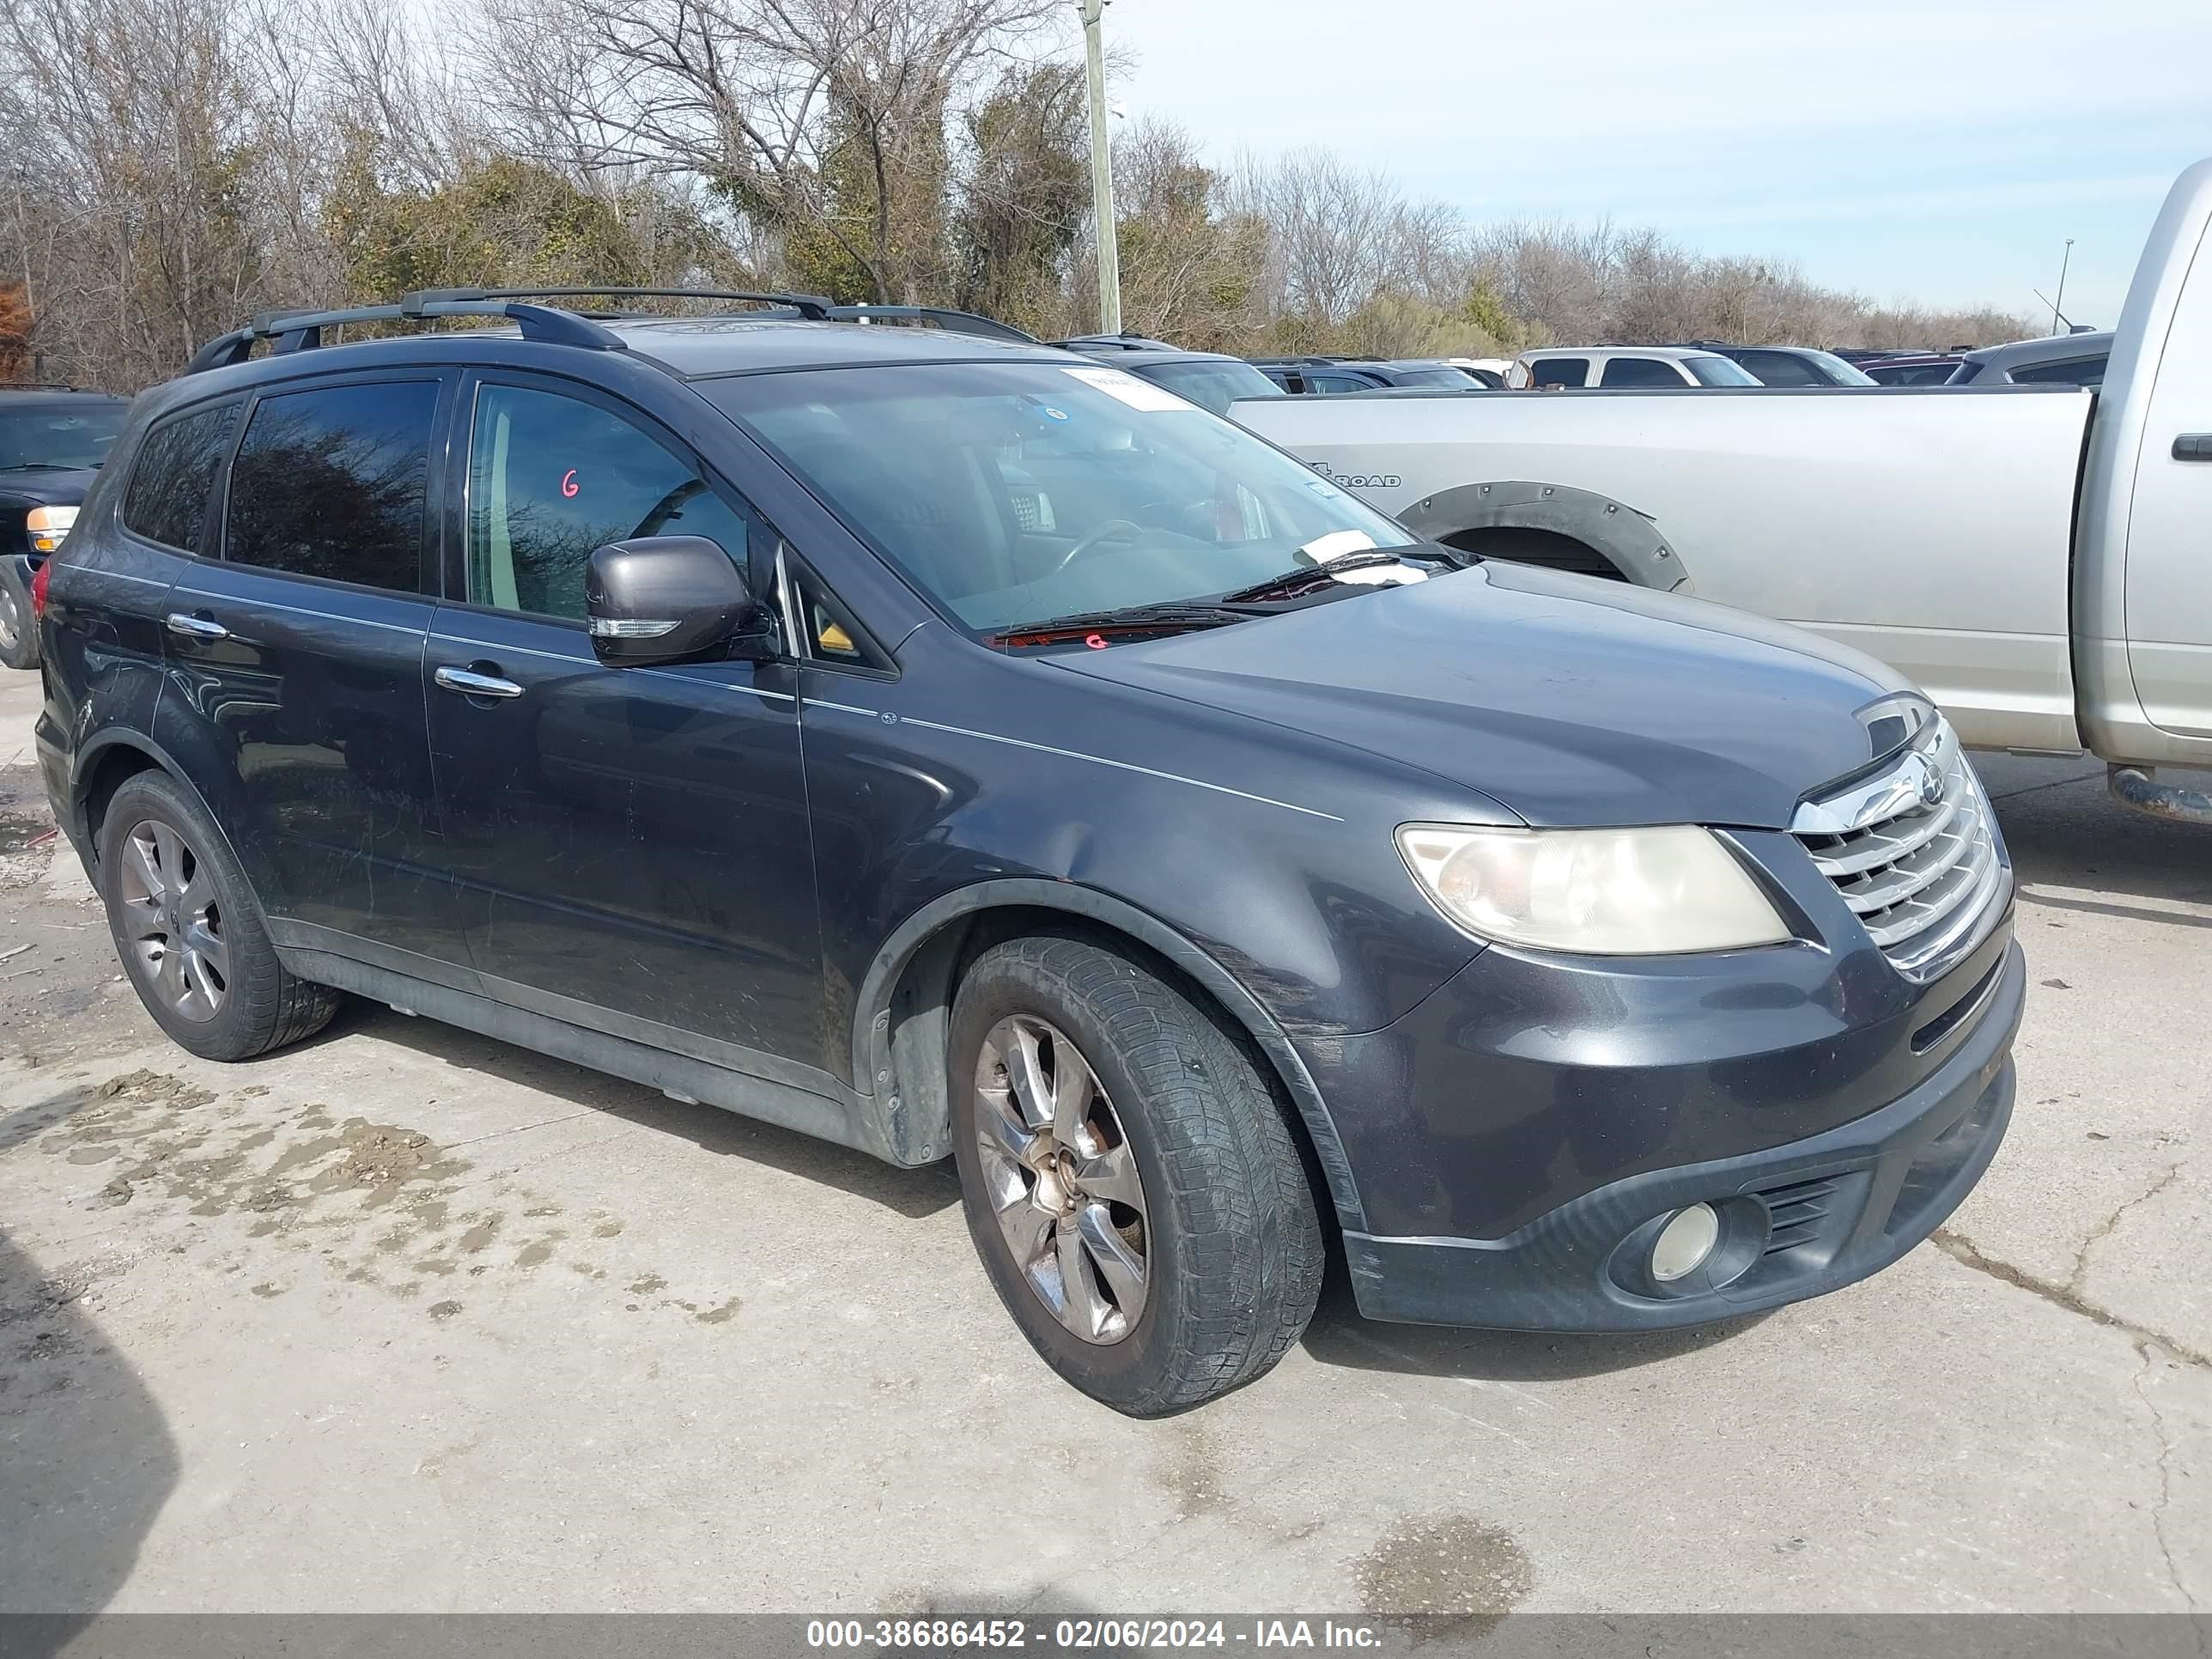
1130,1179
189,933
19,641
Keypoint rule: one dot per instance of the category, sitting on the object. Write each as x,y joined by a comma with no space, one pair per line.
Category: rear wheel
188,934
1130,1179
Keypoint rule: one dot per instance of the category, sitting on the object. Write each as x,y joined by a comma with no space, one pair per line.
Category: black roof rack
1126,340
953,322
302,330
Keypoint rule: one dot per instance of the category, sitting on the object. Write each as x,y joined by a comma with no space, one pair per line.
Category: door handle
2193,447
195,627
470,684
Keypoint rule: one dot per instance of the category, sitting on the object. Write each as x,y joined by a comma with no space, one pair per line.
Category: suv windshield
1719,371
1212,384
58,434
1015,492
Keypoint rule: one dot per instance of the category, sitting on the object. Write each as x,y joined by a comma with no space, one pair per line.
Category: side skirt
843,1121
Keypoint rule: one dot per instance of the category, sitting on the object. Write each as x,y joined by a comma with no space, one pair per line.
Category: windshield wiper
1166,619
1307,578
44,466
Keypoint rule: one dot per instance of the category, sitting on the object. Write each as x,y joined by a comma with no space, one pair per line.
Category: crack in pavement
2165,1480
1964,1251
2103,1231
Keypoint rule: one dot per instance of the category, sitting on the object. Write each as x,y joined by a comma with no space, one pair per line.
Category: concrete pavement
405,1319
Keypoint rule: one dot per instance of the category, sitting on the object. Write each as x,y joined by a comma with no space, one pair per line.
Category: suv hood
1571,701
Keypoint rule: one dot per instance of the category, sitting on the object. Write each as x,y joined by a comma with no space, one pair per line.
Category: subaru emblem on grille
1931,786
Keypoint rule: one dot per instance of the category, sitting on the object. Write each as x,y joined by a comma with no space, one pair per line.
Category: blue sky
1939,151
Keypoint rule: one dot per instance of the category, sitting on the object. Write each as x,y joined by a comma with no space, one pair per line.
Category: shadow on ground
87,1460
1338,1336
911,1192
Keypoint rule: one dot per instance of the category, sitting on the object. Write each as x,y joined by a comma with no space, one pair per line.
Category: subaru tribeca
951,749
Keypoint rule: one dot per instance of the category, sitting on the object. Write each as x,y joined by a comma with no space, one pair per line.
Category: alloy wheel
11,619
172,920
1061,1179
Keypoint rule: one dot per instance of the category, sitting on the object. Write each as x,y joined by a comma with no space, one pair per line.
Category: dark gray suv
961,749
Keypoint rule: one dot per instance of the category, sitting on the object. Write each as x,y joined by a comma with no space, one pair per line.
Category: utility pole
1101,172
2057,321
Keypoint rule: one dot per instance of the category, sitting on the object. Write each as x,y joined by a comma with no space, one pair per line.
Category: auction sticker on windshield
1137,394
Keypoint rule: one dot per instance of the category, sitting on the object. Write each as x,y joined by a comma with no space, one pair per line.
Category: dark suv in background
53,439
960,749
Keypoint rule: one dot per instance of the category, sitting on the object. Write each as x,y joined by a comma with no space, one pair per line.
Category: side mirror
672,598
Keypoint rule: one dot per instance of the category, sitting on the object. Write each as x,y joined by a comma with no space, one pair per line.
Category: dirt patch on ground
1451,1574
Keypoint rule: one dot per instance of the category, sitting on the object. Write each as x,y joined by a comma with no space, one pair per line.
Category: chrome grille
1911,853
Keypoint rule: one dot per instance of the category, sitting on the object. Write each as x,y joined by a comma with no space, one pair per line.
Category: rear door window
330,482
1639,371
1779,368
551,477
173,477
1559,371
2075,371
1324,382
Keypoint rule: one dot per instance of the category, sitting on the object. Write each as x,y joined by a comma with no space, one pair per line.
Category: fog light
1684,1242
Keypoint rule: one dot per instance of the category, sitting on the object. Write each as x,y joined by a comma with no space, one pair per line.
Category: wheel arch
903,1011
1626,540
109,761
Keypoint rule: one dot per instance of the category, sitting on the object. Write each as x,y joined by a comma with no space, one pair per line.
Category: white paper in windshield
1137,394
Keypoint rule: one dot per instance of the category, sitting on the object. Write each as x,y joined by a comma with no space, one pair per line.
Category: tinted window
1016,492
1718,371
1213,385
52,435
1640,371
552,478
1335,383
1779,368
1560,371
2078,371
331,483
1965,374
174,475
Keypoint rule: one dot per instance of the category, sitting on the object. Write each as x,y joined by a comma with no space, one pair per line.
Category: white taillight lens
1603,892
49,526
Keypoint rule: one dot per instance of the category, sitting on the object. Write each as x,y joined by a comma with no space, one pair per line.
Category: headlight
49,526
1603,892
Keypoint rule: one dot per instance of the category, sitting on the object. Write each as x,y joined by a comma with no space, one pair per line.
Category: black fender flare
1629,539
914,1116
85,765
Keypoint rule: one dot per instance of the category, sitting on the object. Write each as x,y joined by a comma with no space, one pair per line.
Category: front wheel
19,639
1130,1178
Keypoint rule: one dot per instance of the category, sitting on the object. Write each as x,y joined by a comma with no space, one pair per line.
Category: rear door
298,657
636,839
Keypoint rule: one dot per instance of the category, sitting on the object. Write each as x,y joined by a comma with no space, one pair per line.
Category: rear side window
1718,371
1333,384
2075,371
331,483
1639,371
1560,371
174,475
1780,368
551,477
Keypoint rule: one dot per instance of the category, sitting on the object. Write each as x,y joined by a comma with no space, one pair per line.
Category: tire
1224,1229
189,933
19,638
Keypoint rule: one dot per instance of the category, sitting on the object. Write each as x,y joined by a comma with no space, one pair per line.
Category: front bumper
1799,1220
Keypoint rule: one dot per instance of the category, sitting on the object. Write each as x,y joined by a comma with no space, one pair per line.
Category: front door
2169,550
299,651
639,836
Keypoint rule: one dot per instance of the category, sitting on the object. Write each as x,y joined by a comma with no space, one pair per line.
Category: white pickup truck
2039,558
